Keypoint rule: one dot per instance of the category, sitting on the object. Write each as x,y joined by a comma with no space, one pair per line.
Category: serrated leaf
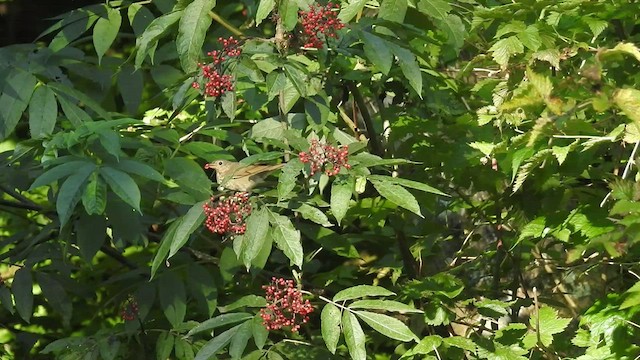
287,238
426,345
288,177
384,305
216,344
541,83
173,298
43,111
314,214
340,198
122,185
192,30
530,38
547,323
393,10
218,321
397,195
506,48
409,66
105,31
255,236
628,100
21,287
191,221
71,192
18,88
437,9
351,9
453,26
353,336
330,326
149,38
264,9
377,51
360,291
387,325
269,128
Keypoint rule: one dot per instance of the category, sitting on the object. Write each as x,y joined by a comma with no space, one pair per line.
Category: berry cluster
227,215
216,83
129,309
285,306
319,155
319,20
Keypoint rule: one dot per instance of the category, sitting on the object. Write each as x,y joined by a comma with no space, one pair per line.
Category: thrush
235,176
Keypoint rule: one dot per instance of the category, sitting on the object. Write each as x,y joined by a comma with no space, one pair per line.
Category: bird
238,177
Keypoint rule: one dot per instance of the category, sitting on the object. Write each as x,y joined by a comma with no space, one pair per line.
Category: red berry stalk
215,82
285,306
227,215
325,157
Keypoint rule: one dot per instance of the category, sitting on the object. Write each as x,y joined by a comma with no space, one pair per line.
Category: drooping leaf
218,321
351,9
393,10
43,112
409,66
56,296
340,198
255,236
387,325
191,221
438,9
353,336
384,305
361,291
18,88
122,185
106,31
287,238
264,9
397,195
377,50
216,344
71,192
314,214
504,49
628,100
91,233
21,287
240,339
173,298
288,177
330,326
164,345
149,38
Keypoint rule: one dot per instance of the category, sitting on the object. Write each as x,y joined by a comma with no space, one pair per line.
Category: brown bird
235,176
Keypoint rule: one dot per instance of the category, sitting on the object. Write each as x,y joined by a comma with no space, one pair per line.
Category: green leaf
541,83
106,31
269,128
138,168
397,195
288,177
453,26
260,333
74,114
148,40
21,287
505,49
192,30
297,77
163,250
94,197
377,51
173,298
330,326
340,198
122,185
219,321
360,291
547,323
18,88
56,296
314,214
164,345
287,238
276,83
387,325
78,95
240,339
385,305
189,223
409,66
43,112
72,29
184,350
264,9
255,236
288,12
349,11
58,172
353,336
139,17
393,10
628,100
216,344
91,232
461,343
427,345
71,192
530,38
437,9
407,183
245,301
6,300
130,85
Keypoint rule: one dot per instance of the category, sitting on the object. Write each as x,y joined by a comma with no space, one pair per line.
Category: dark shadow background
21,21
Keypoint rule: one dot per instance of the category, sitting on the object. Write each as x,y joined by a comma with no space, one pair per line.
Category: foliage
456,180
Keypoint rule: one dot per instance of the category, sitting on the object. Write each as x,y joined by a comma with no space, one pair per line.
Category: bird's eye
220,163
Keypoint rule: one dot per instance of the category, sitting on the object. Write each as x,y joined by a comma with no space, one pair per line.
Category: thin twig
627,167
217,18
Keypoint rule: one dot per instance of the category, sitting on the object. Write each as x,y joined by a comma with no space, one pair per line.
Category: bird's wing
251,170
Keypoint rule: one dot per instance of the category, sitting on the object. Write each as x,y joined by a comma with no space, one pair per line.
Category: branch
376,148
217,18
